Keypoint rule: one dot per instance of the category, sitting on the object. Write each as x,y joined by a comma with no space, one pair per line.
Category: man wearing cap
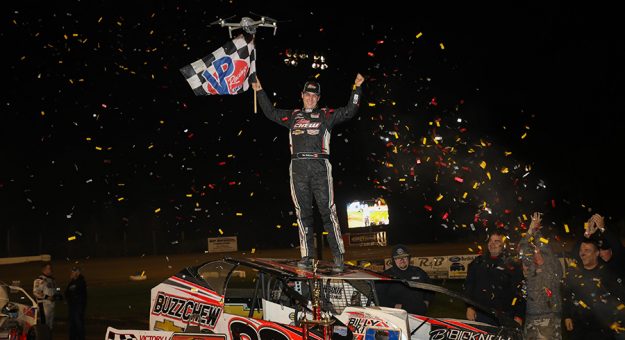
399,295
311,172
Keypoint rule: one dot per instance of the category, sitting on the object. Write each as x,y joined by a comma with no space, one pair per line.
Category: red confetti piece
445,215
507,211
548,292
553,203
458,179
232,183
189,136
370,54
221,163
212,186
103,106
379,42
427,207
433,102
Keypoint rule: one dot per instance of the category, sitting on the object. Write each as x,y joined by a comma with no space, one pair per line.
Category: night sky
472,118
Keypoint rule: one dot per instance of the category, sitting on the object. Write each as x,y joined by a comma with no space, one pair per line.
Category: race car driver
311,173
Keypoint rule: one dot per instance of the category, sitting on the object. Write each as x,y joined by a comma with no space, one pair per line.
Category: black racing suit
311,172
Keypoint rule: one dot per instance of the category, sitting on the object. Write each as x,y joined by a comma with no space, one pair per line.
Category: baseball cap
312,87
400,250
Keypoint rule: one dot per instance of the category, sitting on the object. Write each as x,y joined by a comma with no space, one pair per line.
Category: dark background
103,140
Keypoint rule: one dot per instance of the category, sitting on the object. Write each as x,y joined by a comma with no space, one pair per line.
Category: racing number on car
242,330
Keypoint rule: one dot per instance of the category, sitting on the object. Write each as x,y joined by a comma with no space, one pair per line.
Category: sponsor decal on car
188,311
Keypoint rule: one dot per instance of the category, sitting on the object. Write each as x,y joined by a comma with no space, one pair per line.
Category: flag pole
255,101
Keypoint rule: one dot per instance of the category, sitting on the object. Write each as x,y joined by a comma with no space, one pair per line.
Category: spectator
46,293
590,304
543,273
399,295
494,282
611,250
76,294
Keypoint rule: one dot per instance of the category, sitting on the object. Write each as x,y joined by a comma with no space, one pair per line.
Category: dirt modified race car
19,316
274,299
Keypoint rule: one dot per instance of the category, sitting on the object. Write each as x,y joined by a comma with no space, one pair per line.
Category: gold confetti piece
544,240
514,301
566,228
120,199
99,148
396,135
88,139
507,153
620,307
150,146
471,250
239,214
471,150
100,20
294,224
43,113
253,250
573,264
483,165
325,233
419,35
189,195
524,135
440,197
442,46
465,194
616,327
424,141
371,104
278,226
488,174
71,238
475,185
438,123
221,231
240,132
524,217
317,75
504,170
251,194
583,304
157,210
402,179
479,247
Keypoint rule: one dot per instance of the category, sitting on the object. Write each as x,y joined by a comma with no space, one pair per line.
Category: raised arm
344,113
279,116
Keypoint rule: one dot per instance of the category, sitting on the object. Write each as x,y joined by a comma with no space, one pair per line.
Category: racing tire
39,332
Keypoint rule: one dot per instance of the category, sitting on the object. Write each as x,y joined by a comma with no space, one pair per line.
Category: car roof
288,268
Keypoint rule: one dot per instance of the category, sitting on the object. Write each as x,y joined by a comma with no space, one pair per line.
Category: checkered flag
225,71
111,334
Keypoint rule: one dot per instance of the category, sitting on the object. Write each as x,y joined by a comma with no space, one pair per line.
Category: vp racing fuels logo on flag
188,311
228,77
